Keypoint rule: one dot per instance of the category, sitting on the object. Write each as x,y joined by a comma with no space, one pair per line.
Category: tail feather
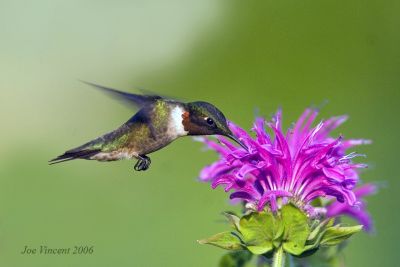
75,154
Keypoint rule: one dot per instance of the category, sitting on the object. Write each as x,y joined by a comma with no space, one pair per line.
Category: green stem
279,258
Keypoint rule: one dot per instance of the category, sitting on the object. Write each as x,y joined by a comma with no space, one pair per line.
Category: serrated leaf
259,229
296,230
225,240
336,234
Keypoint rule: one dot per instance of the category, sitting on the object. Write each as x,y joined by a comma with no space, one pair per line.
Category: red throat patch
186,120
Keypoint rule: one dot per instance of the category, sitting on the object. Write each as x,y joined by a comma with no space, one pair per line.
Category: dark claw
143,163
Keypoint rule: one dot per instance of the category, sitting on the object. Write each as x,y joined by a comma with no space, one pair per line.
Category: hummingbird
157,123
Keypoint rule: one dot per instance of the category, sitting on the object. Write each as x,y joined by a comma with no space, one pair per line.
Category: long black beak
234,138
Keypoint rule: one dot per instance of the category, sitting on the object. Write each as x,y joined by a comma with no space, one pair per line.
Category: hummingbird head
203,118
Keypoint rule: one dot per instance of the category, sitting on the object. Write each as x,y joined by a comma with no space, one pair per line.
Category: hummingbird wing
129,98
113,141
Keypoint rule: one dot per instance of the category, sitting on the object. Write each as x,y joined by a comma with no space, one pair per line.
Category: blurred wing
129,98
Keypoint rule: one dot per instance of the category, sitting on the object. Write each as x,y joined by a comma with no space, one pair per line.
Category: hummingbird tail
75,154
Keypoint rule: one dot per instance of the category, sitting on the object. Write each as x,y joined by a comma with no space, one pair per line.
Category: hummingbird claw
143,163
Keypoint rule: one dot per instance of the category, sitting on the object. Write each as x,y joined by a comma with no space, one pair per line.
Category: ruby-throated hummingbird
158,122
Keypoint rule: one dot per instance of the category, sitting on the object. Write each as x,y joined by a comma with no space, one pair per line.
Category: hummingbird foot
143,163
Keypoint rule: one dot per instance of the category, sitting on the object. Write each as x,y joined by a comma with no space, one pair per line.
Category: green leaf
296,231
235,259
233,219
315,237
336,234
225,240
319,228
314,244
259,230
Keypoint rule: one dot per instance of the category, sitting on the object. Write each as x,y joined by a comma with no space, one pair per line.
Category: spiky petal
359,213
301,165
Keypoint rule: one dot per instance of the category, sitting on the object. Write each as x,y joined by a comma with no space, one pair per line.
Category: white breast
176,121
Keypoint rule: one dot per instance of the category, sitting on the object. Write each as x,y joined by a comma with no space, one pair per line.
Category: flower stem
279,258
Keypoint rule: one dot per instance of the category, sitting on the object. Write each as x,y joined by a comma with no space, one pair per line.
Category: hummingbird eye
209,121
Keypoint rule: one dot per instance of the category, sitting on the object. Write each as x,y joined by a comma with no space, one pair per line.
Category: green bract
258,238
226,240
264,232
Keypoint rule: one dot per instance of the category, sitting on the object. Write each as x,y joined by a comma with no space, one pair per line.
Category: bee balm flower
298,166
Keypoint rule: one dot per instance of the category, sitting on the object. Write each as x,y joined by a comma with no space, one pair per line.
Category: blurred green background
240,55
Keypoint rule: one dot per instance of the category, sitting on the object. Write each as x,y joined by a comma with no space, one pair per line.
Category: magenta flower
358,212
300,166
